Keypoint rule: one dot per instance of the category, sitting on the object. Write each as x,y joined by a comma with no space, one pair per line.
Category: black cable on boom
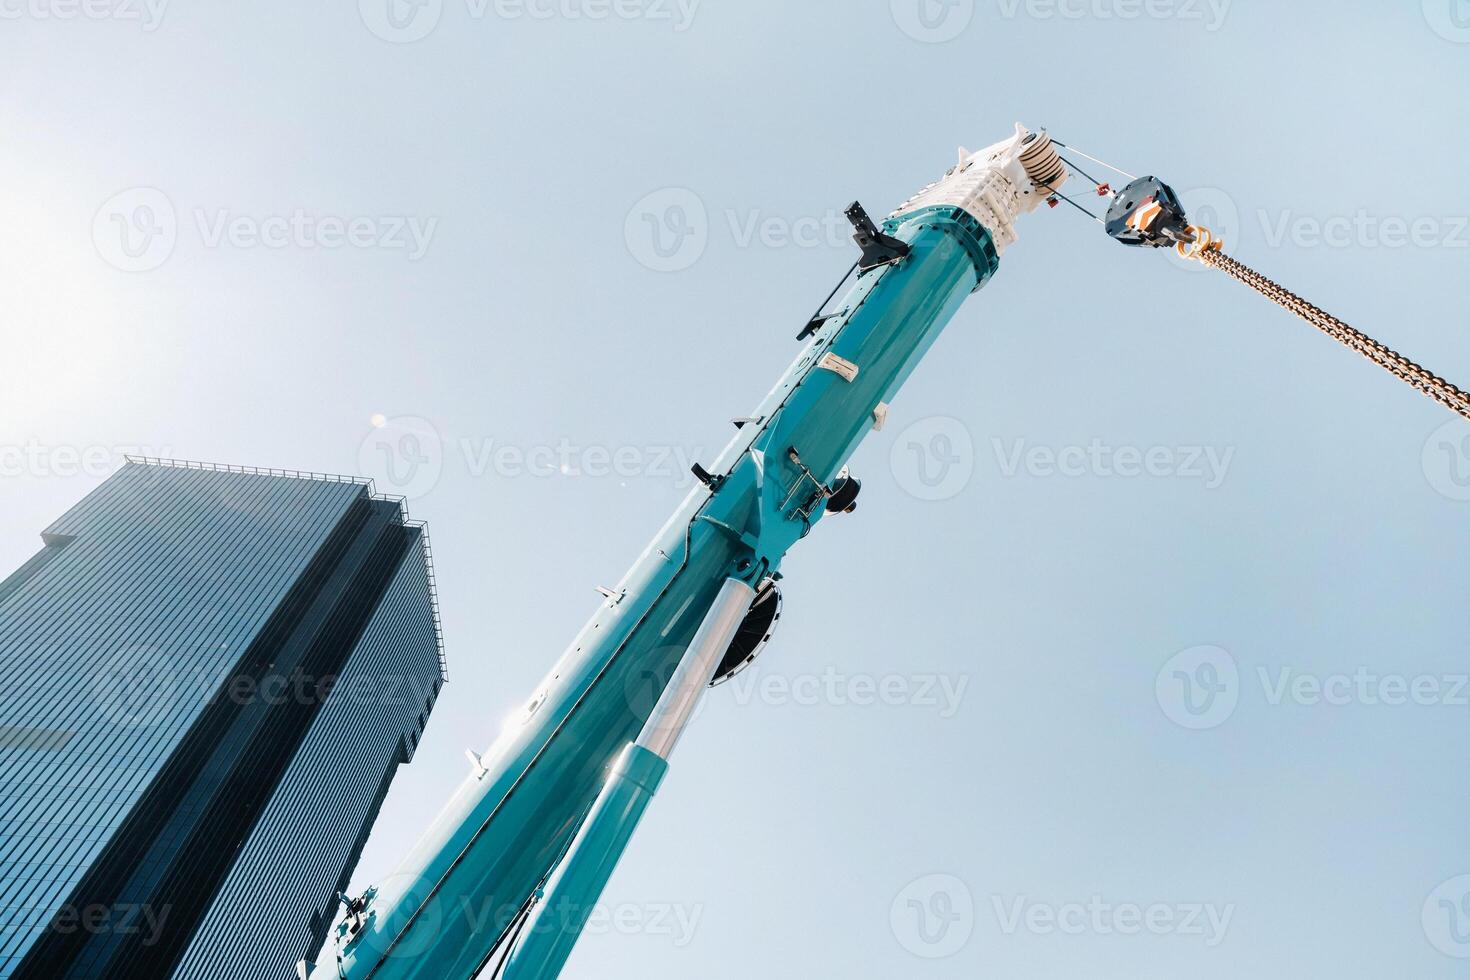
1095,181
815,323
1073,203
1094,159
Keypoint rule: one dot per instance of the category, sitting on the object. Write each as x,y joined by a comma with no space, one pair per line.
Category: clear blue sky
1291,507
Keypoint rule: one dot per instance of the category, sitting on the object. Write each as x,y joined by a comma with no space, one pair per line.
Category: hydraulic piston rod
569,897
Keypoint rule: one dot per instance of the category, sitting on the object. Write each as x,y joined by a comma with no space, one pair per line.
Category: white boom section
998,184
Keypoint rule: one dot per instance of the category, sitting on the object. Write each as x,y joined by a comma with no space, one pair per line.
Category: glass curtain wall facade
210,676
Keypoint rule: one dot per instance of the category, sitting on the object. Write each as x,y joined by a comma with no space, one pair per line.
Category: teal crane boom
508,871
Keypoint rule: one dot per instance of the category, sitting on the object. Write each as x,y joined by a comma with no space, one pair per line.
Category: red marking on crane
1103,190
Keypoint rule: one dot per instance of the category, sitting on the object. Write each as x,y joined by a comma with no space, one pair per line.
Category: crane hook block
1147,213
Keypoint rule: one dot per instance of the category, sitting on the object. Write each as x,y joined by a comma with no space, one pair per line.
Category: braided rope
1206,249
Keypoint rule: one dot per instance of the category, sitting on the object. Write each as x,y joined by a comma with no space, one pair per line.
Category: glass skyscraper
208,678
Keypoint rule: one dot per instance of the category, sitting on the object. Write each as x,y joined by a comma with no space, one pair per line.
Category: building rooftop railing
194,464
433,592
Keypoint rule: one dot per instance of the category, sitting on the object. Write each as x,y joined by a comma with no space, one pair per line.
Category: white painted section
993,184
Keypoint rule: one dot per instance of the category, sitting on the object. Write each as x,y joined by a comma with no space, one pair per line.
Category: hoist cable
1207,250
1074,204
1098,183
1094,159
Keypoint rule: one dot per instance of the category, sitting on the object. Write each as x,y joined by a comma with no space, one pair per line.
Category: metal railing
428,551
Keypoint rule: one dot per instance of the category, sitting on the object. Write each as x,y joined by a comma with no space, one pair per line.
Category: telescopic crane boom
517,858
505,877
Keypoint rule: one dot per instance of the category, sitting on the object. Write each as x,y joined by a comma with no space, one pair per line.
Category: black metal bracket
712,480
813,325
878,248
